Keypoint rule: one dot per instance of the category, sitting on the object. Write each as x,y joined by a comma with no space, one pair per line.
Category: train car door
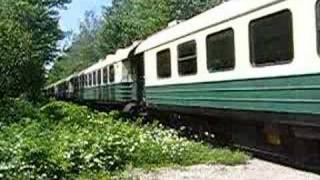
138,66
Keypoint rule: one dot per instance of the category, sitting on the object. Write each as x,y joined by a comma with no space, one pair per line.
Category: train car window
80,82
90,79
105,75
111,74
99,77
318,25
164,64
221,51
85,80
77,82
187,58
271,39
94,78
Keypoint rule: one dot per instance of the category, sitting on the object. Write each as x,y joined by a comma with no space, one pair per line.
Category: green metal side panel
294,94
123,92
89,94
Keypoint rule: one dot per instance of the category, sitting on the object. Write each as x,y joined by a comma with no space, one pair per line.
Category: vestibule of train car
138,73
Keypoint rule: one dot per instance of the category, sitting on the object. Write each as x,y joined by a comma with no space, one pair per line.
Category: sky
70,18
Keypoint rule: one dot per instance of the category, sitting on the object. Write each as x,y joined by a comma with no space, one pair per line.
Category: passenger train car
247,70
115,80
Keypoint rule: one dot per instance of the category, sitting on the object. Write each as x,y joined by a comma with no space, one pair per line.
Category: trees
28,35
129,20
81,53
123,22
185,9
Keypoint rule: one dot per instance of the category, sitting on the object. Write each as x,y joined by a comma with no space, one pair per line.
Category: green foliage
126,21
28,36
71,141
15,110
185,9
61,111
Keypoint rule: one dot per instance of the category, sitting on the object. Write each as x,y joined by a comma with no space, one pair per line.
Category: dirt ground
254,170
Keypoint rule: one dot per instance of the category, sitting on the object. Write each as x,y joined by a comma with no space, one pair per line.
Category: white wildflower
88,157
96,160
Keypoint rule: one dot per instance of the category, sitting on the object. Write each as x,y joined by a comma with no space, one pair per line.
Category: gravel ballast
254,170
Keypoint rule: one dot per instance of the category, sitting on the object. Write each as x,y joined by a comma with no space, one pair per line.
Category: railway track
280,159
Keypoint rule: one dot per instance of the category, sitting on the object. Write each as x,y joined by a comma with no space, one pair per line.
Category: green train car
116,80
246,71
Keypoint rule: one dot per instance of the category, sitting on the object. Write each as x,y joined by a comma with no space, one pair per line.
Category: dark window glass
111,74
81,81
187,58
318,25
272,39
220,51
164,64
105,75
90,79
99,77
86,80
76,82
94,78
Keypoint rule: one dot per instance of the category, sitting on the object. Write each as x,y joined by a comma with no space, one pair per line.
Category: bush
67,112
15,110
71,140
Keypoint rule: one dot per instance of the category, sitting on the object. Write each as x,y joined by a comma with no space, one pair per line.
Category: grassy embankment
66,141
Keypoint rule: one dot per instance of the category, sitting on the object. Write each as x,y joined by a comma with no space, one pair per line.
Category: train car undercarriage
289,139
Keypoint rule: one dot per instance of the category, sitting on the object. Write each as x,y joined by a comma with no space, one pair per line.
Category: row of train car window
95,78
271,43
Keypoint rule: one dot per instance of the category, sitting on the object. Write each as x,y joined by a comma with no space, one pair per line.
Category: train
247,71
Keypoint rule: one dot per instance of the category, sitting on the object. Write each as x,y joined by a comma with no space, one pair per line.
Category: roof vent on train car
174,23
